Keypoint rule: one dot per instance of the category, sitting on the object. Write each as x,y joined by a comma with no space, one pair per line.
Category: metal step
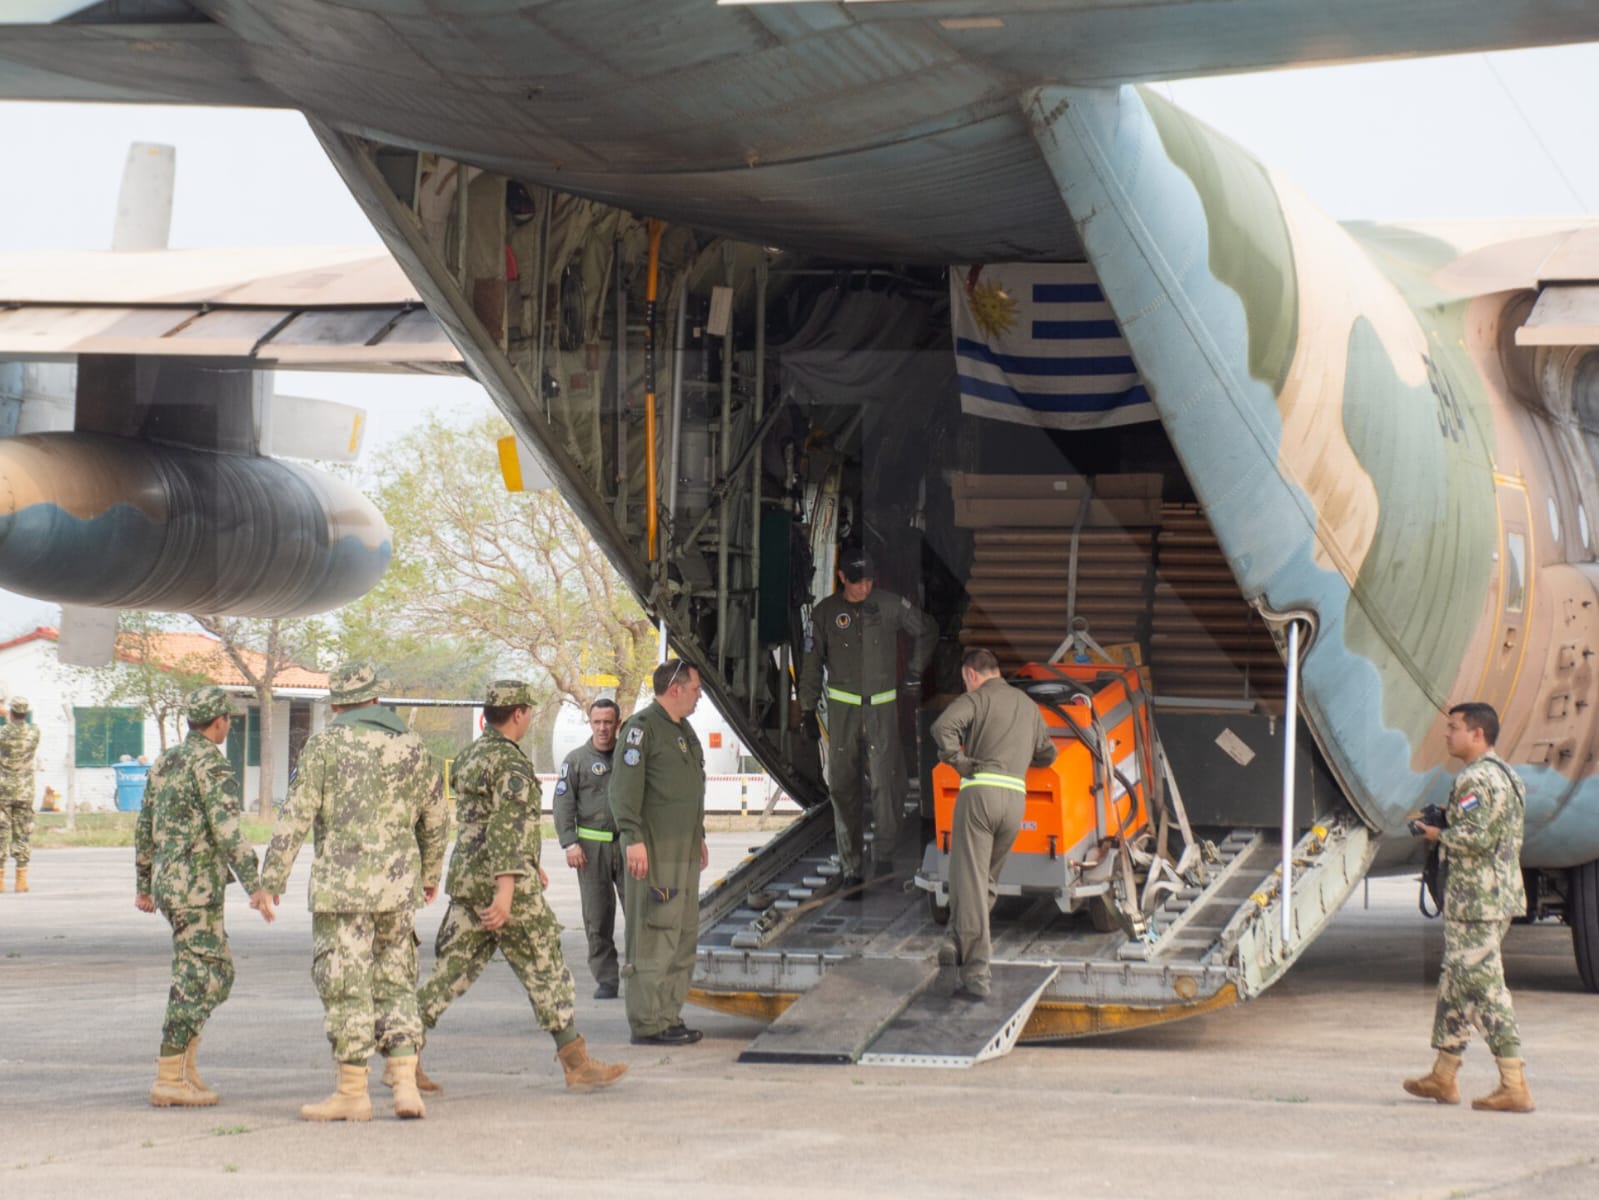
938,1029
837,1019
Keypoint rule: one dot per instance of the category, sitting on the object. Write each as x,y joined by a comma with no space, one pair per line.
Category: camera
1429,815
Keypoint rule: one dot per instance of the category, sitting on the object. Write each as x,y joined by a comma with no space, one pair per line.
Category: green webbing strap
595,835
994,779
844,697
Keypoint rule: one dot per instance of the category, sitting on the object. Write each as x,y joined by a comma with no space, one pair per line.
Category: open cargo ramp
1204,950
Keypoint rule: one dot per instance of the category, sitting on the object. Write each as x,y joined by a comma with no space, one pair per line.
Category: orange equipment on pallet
1079,808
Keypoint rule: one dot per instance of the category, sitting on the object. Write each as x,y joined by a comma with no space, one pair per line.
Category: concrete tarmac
1296,1093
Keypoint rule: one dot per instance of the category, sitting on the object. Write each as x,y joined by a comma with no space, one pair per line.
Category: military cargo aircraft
712,261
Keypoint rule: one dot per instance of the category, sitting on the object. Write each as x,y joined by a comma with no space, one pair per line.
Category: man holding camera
1483,892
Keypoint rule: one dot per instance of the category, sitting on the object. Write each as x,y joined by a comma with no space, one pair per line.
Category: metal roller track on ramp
937,1029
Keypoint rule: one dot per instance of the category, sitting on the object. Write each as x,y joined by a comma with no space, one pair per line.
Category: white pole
72,769
1290,740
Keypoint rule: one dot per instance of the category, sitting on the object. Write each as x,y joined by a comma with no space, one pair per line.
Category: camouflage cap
508,693
19,706
354,682
204,705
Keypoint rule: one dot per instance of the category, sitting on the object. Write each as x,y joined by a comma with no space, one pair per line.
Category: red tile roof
198,653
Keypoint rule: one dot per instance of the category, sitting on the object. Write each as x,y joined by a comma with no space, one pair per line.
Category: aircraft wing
301,309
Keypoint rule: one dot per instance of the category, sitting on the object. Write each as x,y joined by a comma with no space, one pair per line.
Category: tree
515,571
146,676
260,650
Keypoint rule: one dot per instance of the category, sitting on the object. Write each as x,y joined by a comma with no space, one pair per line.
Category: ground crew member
853,639
497,888
1483,892
371,791
658,800
587,831
19,744
187,842
990,735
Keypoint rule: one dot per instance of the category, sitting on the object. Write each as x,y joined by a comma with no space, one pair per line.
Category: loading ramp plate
840,1016
938,1030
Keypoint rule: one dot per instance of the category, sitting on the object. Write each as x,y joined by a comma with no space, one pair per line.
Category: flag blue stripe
1068,330
1067,293
986,389
1027,364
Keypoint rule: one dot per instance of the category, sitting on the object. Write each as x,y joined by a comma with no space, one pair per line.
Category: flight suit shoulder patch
635,736
842,620
631,757
599,768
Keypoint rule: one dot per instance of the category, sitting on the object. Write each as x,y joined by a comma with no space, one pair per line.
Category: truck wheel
1582,914
938,912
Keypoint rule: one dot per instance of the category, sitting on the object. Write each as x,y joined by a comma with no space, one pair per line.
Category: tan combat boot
583,1073
401,1072
192,1075
428,1087
349,1101
1439,1083
22,879
1511,1095
172,1088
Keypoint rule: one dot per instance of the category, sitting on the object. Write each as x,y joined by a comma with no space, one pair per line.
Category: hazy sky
1498,135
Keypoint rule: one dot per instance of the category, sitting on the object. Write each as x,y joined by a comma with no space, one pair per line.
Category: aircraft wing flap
372,338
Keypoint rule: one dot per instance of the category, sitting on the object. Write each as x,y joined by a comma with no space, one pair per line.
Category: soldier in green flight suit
990,735
497,888
1483,892
186,844
371,793
658,800
587,832
19,743
854,638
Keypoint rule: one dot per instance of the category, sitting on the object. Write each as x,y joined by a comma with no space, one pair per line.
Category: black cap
856,566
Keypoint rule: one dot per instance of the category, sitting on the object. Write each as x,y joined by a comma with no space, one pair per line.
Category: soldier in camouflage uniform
370,792
1483,892
19,743
497,888
187,842
854,638
658,800
587,833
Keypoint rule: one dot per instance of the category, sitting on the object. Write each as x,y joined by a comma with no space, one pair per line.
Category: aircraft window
1515,571
1554,519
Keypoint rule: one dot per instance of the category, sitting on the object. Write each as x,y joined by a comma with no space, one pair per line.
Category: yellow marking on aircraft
510,464
355,431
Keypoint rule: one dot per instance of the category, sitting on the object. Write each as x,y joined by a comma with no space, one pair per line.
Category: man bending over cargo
991,735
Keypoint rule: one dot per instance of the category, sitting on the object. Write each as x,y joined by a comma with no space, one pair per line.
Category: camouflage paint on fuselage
1348,467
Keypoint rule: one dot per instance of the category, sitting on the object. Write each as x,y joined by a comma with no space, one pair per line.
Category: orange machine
1091,797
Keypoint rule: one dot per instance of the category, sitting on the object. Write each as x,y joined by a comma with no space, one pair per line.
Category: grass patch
229,1130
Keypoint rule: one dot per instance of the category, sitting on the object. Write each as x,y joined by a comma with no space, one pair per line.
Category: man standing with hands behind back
587,831
1483,892
658,799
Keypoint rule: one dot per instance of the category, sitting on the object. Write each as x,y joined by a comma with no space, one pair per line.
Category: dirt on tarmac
1294,1094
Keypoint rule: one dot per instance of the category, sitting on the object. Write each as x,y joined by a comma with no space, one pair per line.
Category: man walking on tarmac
19,743
587,832
854,640
187,843
497,888
369,788
1482,893
990,735
658,800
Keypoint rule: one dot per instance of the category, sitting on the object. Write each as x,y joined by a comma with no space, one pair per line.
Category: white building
81,738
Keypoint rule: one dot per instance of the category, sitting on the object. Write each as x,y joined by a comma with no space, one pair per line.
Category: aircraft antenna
1536,136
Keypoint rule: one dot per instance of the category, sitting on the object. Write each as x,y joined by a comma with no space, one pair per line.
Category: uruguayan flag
1036,343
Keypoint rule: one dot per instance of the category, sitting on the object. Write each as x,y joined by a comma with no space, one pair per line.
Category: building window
103,735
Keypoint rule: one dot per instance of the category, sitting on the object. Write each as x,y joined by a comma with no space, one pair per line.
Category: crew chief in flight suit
658,800
587,831
990,735
854,641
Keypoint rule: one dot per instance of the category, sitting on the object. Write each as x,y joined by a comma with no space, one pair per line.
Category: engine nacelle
113,522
